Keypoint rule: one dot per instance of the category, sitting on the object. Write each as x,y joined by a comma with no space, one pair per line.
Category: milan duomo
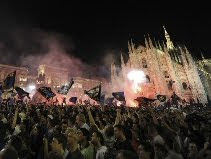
168,68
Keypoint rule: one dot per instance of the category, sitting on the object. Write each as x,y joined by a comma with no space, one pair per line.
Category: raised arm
118,115
45,143
91,119
15,118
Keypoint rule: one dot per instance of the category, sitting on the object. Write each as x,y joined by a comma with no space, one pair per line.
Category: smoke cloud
57,53
32,47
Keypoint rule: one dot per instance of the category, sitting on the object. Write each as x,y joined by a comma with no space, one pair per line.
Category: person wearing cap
86,149
72,142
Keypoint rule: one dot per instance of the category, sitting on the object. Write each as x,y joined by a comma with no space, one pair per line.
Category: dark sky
97,27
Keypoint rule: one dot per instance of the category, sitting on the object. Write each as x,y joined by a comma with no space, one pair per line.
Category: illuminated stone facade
21,74
52,76
56,77
204,68
168,69
81,84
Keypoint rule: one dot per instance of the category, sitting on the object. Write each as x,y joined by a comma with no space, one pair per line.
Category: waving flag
94,93
73,100
119,96
21,93
144,100
1,89
65,88
46,92
9,82
109,101
102,99
161,98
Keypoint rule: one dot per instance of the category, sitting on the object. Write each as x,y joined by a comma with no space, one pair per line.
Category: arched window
166,74
41,77
148,78
184,85
170,85
144,63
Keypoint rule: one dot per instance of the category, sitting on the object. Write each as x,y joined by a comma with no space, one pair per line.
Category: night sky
98,28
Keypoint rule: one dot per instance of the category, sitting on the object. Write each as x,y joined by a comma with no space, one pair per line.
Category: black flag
65,88
9,81
46,92
22,93
161,98
94,93
109,101
144,100
73,100
120,96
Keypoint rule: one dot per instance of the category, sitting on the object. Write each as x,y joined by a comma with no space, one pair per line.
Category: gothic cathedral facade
168,68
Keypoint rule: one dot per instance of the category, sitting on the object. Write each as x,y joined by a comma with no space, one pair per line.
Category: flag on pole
46,92
9,81
94,93
73,100
119,96
21,93
65,88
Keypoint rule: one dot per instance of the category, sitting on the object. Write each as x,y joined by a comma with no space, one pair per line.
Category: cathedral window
148,78
170,85
41,77
22,79
184,85
166,74
144,63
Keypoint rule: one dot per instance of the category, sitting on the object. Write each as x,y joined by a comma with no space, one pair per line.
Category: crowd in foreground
104,132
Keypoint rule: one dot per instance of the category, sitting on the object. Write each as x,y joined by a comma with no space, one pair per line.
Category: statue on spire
169,43
202,56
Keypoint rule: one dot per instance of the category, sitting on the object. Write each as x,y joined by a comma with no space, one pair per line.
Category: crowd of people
40,131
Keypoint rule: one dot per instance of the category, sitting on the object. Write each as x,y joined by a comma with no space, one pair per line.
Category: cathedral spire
146,42
122,61
132,46
113,71
202,56
129,47
165,49
150,42
169,43
159,46
156,45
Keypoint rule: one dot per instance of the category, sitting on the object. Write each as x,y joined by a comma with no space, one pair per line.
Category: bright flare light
133,103
137,77
32,87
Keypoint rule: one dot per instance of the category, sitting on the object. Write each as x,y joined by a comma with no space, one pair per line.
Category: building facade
204,68
21,74
52,76
81,84
168,68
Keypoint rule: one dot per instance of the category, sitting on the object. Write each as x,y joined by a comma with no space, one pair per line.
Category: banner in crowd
120,96
94,93
65,88
46,92
161,98
102,99
21,93
9,81
144,100
109,101
73,100
1,88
